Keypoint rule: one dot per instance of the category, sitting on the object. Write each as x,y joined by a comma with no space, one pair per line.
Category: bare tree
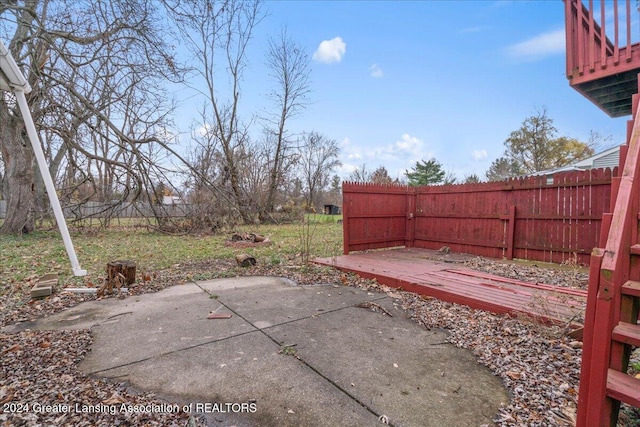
289,68
360,174
1,177
206,179
221,30
318,158
502,168
378,176
472,179
381,176
94,67
450,178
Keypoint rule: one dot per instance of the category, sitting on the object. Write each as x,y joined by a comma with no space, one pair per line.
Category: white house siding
610,160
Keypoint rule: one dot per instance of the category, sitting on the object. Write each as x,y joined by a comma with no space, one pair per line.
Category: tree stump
245,260
121,273
247,237
258,238
240,237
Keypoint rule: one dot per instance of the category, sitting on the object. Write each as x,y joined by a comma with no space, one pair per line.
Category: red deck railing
603,51
603,61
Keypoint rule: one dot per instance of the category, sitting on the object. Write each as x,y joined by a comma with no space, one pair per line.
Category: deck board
429,273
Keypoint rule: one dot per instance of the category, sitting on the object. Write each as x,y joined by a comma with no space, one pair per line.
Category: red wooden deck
427,273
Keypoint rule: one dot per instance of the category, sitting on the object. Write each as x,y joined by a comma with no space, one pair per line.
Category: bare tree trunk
289,66
2,188
18,159
223,30
87,62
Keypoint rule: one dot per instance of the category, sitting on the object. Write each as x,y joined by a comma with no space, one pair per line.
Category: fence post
345,218
511,231
410,227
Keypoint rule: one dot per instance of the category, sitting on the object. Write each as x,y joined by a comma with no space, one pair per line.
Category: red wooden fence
529,218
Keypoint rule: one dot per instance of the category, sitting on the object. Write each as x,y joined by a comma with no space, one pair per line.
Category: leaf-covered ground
539,365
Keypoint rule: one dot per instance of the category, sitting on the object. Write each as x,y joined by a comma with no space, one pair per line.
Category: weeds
288,350
41,252
576,268
313,240
306,234
275,260
547,306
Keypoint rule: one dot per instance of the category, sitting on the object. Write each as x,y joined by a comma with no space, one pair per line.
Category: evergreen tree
426,173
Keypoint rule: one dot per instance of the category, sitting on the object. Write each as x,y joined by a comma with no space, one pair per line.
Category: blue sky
397,82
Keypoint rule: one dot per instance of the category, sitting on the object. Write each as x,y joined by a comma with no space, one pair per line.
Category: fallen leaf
114,399
513,375
5,395
44,344
14,347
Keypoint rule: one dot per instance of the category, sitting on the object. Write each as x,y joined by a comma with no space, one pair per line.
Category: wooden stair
631,288
623,387
611,320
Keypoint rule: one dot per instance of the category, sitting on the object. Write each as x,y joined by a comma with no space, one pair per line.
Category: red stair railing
611,331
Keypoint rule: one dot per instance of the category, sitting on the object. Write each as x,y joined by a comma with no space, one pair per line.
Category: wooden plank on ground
415,270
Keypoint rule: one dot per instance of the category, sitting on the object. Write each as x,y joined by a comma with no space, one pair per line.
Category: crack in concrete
264,332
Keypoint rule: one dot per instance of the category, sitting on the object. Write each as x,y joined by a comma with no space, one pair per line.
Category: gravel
538,364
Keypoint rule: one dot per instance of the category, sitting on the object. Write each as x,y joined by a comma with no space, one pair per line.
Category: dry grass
24,257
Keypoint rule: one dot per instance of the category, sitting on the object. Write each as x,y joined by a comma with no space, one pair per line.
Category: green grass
322,218
41,252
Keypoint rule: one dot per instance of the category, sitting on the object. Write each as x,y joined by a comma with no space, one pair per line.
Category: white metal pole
48,182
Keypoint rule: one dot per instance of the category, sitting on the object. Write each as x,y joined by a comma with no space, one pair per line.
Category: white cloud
471,30
545,44
203,130
396,156
479,154
408,148
376,72
409,144
346,169
330,51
